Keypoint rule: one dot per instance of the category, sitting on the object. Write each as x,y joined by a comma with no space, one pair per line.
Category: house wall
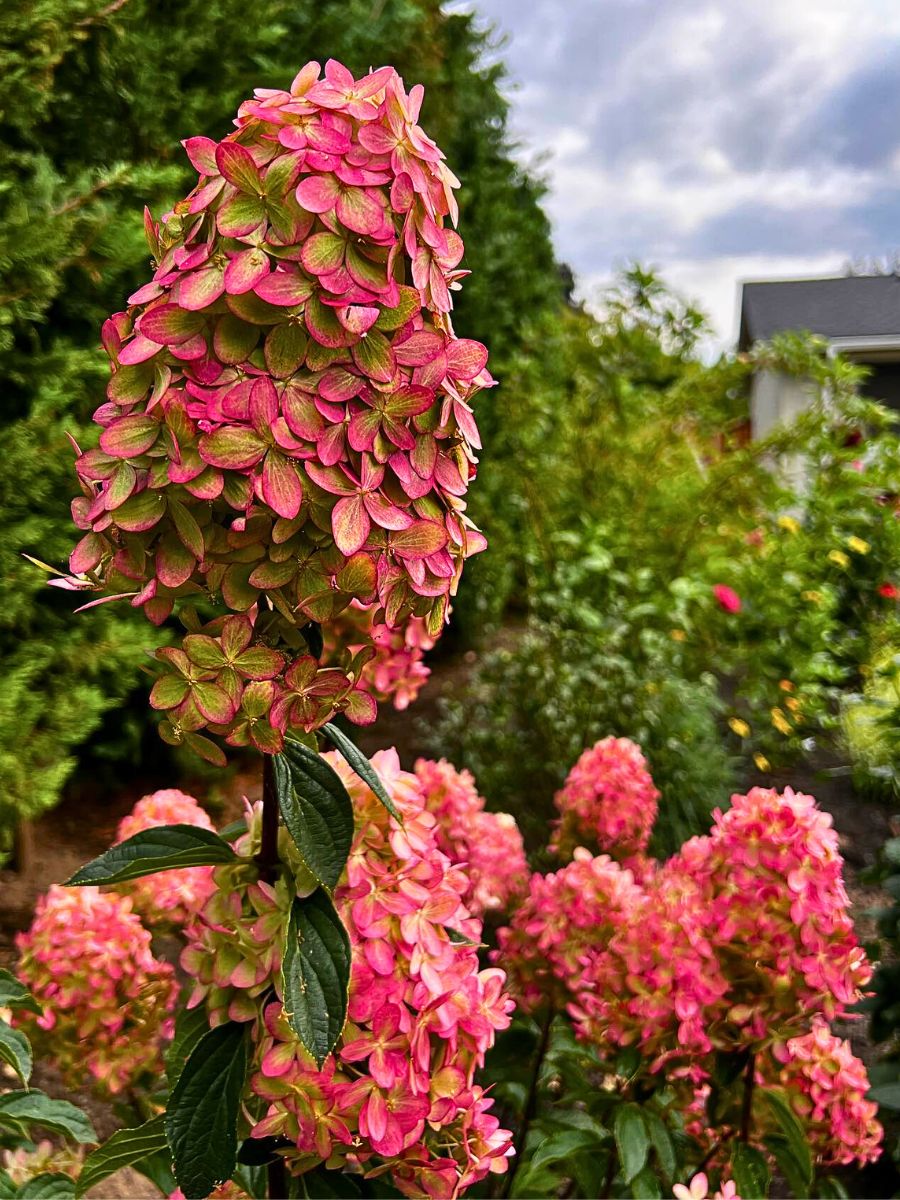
777,399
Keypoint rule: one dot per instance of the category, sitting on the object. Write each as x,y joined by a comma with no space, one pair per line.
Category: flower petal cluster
827,1085
396,671
565,921
170,897
742,942
398,1093
489,845
107,1002
43,1158
288,424
234,943
608,801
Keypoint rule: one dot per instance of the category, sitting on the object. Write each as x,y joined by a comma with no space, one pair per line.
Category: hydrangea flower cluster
828,1084
566,918
107,1001
396,672
398,1093
489,845
235,941
742,941
170,897
44,1158
608,801
288,424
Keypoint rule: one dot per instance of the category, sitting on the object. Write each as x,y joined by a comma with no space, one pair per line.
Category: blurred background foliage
618,483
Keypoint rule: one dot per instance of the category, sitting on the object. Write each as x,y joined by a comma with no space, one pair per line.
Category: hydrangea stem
531,1103
268,850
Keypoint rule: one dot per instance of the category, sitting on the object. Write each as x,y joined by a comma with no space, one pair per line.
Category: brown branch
268,850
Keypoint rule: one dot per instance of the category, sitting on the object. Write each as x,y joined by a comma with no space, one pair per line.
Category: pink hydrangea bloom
107,1001
398,1093
741,941
608,801
396,671
171,896
563,925
488,844
827,1085
288,425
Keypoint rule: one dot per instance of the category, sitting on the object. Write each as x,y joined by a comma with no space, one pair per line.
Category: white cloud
699,135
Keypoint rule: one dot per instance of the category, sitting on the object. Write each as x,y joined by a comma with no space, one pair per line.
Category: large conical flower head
288,424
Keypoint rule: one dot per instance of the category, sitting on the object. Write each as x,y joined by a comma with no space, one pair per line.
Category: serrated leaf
34,1107
662,1142
798,1157
750,1171
163,848
201,1120
125,1148
14,993
361,765
190,1026
48,1186
317,810
316,973
632,1140
15,1049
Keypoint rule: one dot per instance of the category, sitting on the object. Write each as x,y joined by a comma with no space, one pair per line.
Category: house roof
851,306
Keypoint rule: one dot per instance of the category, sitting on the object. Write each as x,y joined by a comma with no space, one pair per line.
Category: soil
84,825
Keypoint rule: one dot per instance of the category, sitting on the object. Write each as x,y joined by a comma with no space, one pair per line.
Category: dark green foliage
94,100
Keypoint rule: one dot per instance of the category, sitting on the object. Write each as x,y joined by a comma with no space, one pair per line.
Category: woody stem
268,850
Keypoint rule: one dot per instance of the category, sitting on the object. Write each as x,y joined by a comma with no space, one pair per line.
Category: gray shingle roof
849,306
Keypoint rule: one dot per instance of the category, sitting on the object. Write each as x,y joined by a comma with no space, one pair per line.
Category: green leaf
15,1049
49,1186
662,1143
125,1148
14,994
190,1026
750,1171
794,1157
558,1148
645,1186
201,1121
886,1095
316,973
317,810
361,765
34,1107
632,1140
158,1169
163,848
830,1188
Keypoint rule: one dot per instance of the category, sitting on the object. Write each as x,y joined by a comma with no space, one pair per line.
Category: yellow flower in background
811,597
790,524
858,546
741,728
678,635
785,684
780,721
839,557
761,762
792,703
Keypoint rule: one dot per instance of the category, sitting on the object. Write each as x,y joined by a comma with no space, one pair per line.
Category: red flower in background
727,598
890,591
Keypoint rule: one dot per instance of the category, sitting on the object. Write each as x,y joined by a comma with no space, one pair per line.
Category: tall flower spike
288,425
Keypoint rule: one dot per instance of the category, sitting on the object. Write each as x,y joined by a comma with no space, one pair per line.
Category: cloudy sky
716,139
